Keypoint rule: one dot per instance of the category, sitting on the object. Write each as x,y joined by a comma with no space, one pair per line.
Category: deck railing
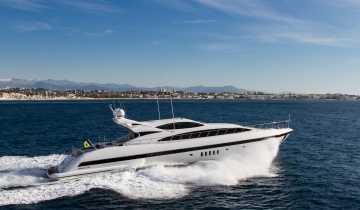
270,125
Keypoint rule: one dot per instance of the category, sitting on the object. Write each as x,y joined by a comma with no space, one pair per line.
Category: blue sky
303,46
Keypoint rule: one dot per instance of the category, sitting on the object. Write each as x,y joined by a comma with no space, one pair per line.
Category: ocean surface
317,167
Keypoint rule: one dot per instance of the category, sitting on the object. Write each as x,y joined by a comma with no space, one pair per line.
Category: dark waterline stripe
132,157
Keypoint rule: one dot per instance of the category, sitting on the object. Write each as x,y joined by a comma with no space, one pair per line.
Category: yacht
168,141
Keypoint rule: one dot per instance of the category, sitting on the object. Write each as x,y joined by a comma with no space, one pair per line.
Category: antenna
124,108
172,107
120,104
289,122
157,98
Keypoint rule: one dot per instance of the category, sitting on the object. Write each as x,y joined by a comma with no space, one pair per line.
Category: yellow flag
86,144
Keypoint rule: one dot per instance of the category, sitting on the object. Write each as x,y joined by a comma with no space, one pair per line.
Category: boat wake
23,179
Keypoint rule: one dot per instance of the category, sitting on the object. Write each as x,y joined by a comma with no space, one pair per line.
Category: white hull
172,152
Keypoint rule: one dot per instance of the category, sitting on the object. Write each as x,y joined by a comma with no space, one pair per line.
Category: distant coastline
38,94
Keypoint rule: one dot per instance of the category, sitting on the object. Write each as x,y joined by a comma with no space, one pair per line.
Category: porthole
190,154
217,152
202,154
214,152
205,153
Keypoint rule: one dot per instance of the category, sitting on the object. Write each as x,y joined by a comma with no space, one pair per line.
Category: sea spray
228,171
37,193
137,186
16,171
21,162
128,183
158,182
25,177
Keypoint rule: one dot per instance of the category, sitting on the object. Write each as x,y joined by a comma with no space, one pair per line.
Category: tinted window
185,136
194,124
229,131
204,133
221,132
145,133
180,125
167,126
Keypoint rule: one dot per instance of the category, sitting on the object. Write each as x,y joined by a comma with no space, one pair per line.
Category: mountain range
66,84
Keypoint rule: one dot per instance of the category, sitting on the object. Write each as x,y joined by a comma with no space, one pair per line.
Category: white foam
39,193
20,162
22,178
158,182
128,183
228,171
135,185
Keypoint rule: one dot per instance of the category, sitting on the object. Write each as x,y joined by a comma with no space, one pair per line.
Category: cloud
26,5
195,21
107,32
272,26
159,42
199,21
32,26
344,3
249,8
181,5
219,47
306,38
97,7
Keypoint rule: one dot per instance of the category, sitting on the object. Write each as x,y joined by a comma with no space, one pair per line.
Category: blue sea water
317,167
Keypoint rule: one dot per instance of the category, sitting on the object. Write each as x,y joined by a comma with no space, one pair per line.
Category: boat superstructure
175,140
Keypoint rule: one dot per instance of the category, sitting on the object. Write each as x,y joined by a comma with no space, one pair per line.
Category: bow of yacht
175,140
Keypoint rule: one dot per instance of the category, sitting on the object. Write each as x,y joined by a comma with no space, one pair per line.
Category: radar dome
119,113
